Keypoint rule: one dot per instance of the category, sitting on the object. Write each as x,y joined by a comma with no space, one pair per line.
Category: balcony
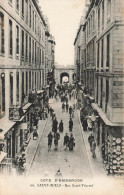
15,113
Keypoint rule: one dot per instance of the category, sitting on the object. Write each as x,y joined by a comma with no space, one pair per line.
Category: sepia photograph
61,97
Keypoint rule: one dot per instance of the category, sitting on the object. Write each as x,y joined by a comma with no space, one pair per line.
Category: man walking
66,140
50,138
56,138
70,124
90,140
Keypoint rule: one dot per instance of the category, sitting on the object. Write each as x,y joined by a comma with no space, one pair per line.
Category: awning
40,91
103,116
26,106
2,156
6,124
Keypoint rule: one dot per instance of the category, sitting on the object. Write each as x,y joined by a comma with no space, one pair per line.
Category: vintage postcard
61,97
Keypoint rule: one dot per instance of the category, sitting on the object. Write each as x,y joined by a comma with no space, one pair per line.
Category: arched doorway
64,77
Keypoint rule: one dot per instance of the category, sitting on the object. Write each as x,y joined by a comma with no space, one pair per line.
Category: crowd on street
65,96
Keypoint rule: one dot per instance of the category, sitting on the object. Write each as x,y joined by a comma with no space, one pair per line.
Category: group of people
69,142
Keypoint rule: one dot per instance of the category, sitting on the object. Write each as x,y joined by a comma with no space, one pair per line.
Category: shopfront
110,139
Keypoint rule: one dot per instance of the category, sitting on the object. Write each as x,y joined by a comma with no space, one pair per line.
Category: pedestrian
55,125
35,134
22,164
66,100
93,149
36,122
90,140
67,106
50,138
84,123
58,173
71,143
89,122
66,140
70,124
63,107
56,139
70,111
61,126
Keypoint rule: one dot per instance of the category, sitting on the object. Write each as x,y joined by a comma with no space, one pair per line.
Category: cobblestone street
71,163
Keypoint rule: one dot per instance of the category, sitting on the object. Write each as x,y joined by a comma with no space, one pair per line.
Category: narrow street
71,163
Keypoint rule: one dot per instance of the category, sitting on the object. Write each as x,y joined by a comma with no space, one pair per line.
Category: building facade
103,77
22,68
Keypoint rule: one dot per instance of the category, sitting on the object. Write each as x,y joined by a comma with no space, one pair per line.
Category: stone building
78,48
89,53
22,68
104,78
49,58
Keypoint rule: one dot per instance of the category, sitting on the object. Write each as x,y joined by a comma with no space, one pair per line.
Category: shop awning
103,116
6,124
40,91
26,106
2,156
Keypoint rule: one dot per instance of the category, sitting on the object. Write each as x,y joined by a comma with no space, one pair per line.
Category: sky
64,18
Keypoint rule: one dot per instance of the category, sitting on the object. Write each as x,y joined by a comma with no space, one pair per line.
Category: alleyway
72,164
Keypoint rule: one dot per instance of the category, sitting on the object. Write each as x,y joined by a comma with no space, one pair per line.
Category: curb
27,172
84,143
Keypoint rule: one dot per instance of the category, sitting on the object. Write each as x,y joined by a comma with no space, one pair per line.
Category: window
33,20
35,23
107,94
23,94
38,55
103,13
98,20
22,44
17,40
102,53
101,100
26,11
17,5
26,45
2,33
3,90
29,81
23,9
108,9
30,15
97,89
97,55
11,89
42,57
85,57
91,24
35,52
35,80
32,80
93,20
29,49
32,50
108,51
26,82
17,86
10,38
93,50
